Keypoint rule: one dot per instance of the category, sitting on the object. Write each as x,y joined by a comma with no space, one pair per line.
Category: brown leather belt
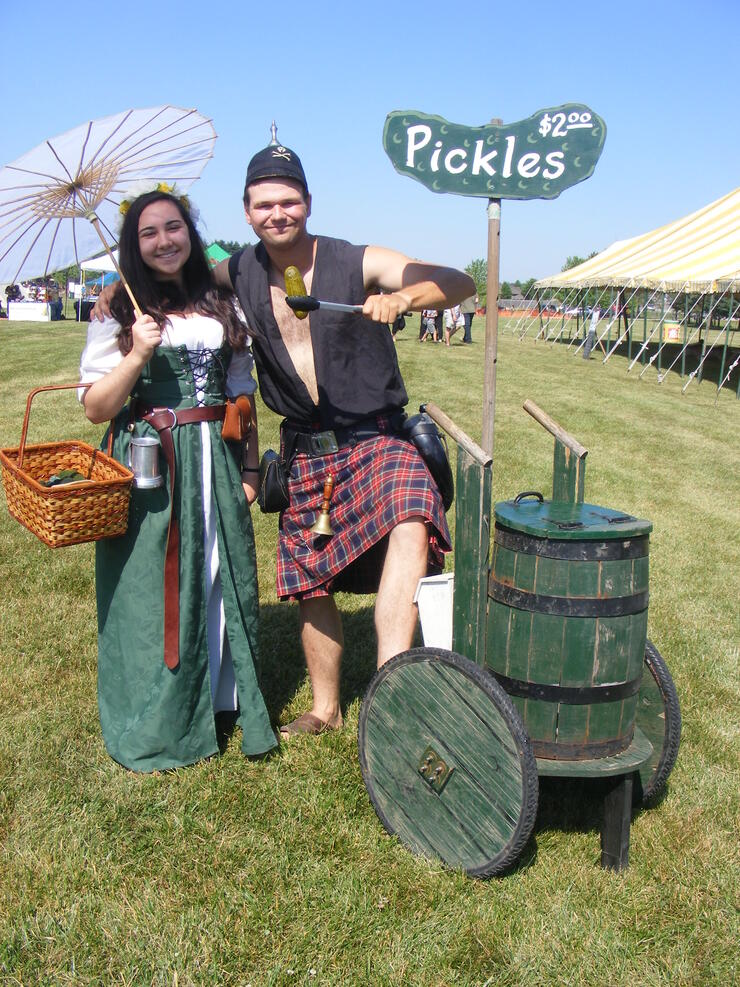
164,420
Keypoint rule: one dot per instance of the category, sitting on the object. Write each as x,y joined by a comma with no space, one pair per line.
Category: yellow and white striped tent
699,253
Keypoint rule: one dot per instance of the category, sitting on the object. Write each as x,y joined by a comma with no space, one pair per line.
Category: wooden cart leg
615,827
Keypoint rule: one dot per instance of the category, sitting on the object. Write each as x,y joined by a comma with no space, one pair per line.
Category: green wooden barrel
567,622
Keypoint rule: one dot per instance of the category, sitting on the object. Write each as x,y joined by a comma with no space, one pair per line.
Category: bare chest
296,336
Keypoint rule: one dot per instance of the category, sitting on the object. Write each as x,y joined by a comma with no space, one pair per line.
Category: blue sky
662,75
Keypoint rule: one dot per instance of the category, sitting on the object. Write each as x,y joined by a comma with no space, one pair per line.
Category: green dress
152,717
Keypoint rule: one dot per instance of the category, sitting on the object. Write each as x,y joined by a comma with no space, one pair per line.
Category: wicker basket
88,510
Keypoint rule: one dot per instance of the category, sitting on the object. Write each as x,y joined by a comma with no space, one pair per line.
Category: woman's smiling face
164,240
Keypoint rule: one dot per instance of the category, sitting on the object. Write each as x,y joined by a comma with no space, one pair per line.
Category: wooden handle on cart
554,429
462,438
31,396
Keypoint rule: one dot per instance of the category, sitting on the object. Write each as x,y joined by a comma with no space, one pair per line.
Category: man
591,334
453,321
334,378
468,307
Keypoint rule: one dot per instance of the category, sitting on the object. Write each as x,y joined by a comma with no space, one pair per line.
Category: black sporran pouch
421,432
273,491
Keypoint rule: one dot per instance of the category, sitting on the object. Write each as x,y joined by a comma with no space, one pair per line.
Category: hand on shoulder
101,309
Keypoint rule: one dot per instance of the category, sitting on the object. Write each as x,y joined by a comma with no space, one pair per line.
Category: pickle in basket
63,476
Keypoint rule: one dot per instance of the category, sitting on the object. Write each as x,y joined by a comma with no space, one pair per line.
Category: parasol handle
94,220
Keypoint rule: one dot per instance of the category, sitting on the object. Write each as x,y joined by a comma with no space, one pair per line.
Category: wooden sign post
490,352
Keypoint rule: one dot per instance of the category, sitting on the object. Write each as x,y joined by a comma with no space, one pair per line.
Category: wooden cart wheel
659,718
447,761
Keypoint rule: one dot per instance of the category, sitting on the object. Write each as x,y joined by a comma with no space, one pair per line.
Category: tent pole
727,339
627,332
539,307
573,337
620,306
609,335
685,332
81,294
644,323
491,343
608,326
707,328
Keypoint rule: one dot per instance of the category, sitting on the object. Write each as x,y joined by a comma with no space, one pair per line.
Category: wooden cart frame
445,756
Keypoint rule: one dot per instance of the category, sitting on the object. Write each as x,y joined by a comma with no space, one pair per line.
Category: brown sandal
307,723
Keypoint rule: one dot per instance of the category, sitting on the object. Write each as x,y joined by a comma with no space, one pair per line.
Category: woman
177,594
454,320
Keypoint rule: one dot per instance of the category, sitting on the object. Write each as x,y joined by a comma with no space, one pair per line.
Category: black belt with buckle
316,444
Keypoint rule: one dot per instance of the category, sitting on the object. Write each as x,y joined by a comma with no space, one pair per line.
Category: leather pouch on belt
423,433
237,419
273,493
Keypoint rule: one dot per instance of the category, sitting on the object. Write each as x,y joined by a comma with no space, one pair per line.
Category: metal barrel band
573,551
565,606
570,695
581,751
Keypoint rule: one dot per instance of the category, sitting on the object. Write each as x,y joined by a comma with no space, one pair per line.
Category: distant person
399,323
439,326
55,303
591,335
453,321
428,325
468,307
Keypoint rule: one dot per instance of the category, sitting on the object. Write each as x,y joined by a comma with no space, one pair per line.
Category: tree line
478,271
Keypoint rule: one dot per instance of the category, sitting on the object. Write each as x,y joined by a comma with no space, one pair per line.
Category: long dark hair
160,298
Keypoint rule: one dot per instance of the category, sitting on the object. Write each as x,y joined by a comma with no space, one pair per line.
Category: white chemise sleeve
101,353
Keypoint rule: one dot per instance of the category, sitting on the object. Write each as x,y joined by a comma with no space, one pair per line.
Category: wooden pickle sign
536,158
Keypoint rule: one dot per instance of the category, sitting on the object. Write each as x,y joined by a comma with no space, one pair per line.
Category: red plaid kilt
377,483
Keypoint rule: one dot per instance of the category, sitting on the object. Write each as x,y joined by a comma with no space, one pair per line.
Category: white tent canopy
698,253
102,263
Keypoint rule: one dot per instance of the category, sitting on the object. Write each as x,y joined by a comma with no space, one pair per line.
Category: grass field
278,872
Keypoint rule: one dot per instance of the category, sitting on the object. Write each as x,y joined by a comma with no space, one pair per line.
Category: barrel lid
566,521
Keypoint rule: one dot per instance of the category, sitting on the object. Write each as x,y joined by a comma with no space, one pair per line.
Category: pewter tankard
144,461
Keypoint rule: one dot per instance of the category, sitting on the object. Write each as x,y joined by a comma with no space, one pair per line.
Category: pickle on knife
294,286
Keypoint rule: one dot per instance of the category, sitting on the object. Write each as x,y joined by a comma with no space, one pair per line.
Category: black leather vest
355,359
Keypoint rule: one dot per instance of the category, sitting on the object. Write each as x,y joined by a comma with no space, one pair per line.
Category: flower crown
142,188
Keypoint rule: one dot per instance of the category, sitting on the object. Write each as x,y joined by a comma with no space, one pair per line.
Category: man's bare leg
323,643
395,612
